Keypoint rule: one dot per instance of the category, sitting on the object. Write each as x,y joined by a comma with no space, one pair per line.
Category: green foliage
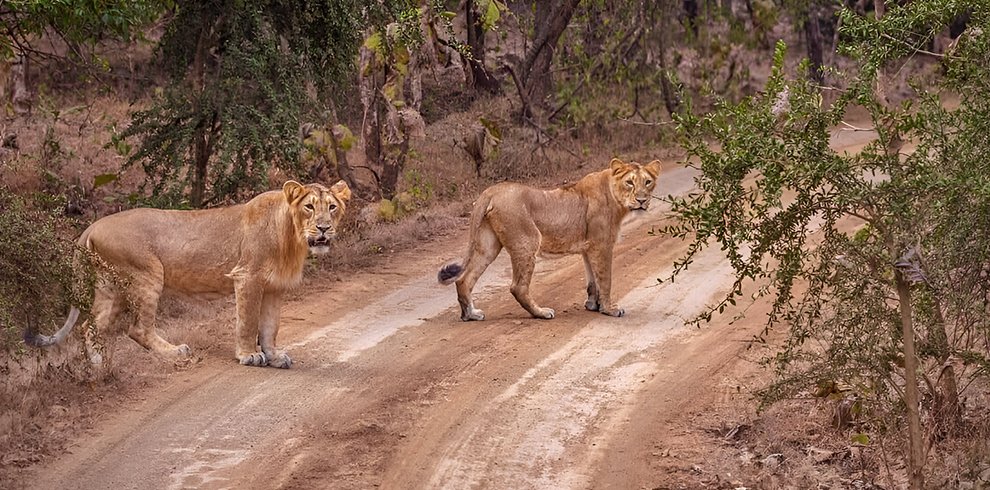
828,234
42,274
240,72
418,193
491,12
76,21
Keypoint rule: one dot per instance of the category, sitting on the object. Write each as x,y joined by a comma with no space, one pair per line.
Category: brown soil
391,390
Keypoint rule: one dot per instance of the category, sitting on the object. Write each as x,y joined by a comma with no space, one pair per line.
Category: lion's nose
642,200
323,228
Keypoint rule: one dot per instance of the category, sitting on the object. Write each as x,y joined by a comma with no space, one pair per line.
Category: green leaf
492,13
374,43
103,179
346,139
861,439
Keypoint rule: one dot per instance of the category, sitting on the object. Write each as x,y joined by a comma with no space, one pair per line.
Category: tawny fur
581,218
255,250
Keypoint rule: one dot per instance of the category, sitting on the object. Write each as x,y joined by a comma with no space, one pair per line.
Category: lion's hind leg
592,304
107,306
484,247
146,289
523,254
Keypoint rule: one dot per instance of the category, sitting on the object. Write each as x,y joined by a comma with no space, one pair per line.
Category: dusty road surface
391,390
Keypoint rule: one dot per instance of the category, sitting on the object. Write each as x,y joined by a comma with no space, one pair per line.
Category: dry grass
49,399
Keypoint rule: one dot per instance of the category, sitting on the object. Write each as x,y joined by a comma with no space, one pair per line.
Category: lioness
582,217
255,250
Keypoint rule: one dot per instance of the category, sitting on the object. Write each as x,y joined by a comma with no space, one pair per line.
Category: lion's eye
648,181
333,206
309,206
629,183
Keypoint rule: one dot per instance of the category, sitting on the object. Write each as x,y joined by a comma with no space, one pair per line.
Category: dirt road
391,390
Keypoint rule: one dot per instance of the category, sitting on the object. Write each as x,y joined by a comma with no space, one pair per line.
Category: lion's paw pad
591,305
546,313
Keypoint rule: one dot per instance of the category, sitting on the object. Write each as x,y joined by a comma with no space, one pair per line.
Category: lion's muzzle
321,242
641,204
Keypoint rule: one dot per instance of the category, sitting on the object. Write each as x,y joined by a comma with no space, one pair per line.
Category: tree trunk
369,84
880,91
481,79
551,20
200,139
671,99
201,159
916,455
344,170
395,160
20,95
948,411
813,38
691,10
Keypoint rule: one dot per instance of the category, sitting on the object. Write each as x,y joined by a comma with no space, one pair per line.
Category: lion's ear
292,190
653,167
341,190
616,166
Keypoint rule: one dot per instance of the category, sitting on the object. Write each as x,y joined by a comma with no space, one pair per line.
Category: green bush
42,271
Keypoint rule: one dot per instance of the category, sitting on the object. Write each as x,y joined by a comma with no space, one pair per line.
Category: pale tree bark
370,82
391,92
344,170
912,398
20,96
916,450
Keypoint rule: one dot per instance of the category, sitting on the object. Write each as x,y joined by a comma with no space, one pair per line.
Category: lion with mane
255,250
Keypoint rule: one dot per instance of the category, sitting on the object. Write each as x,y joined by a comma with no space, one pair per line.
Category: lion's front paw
281,360
183,351
472,314
546,313
616,311
255,359
591,304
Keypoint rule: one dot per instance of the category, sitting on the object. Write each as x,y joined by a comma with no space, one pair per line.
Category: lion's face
317,211
633,183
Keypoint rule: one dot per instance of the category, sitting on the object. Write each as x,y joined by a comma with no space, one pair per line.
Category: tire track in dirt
394,391
218,421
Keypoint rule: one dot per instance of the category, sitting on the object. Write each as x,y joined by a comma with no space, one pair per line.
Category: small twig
854,128
526,106
646,123
916,50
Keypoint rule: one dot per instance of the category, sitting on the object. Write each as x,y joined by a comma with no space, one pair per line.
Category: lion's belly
551,245
201,282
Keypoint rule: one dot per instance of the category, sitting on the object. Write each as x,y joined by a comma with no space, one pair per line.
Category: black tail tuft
449,273
34,339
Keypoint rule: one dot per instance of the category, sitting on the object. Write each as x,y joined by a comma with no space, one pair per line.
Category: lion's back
189,251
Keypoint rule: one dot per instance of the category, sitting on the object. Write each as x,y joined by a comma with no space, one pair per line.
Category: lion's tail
34,339
452,271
